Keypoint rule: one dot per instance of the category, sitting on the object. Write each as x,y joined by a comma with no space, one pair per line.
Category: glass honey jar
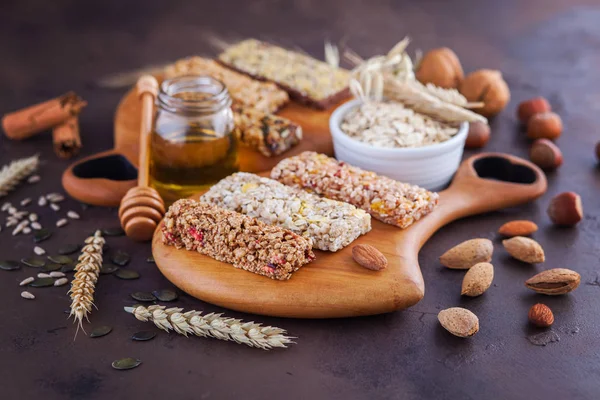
192,144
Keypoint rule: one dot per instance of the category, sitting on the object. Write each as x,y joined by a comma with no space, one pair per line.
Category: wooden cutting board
334,285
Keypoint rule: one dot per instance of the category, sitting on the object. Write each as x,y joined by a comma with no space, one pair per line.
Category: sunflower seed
55,207
126,274
126,363
39,251
67,268
5,206
34,262
20,214
12,210
61,222
25,202
33,179
26,230
27,281
27,295
42,201
57,274
42,282
120,258
61,282
9,265
108,269
143,296
143,336
36,226
17,230
113,231
60,259
55,197
33,217
51,267
165,295
43,275
100,331
73,215
11,222
41,235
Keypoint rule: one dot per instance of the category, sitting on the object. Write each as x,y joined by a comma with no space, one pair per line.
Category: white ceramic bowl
430,167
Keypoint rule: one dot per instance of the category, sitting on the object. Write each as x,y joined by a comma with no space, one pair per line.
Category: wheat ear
13,173
86,276
212,325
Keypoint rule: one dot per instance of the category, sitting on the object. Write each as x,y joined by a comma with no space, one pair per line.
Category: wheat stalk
13,173
86,276
212,325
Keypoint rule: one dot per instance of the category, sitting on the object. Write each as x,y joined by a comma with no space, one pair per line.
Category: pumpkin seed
166,295
108,269
60,259
143,296
51,267
100,331
41,235
126,274
9,265
34,262
150,260
42,282
68,249
120,258
143,336
67,268
126,363
113,231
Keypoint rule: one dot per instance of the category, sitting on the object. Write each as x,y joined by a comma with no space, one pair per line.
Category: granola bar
385,199
270,134
330,224
307,80
244,91
235,238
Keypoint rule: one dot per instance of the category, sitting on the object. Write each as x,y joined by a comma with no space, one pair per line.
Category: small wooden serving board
334,285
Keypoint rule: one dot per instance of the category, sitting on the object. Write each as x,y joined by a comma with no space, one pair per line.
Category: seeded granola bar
330,224
244,91
306,79
385,199
235,238
270,134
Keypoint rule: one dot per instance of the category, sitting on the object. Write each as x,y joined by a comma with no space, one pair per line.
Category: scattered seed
60,259
41,235
143,336
51,267
42,282
33,217
113,231
61,282
27,281
9,265
39,251
67,268
143,296
69,249
61,222
57,274
33,179
17,230
20,214
26,230
36,226
120,258
166,295
25,202
73,215
34,262
55,207
27,295
12,210
43,275
42,201
108,269
150,260
126,274
11,222
100,331
55,197
126,363
6,206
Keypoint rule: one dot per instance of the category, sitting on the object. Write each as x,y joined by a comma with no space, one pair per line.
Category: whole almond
525,249
520,227
477,280
467,254
565,209
541,315
459,321
369,257
554,281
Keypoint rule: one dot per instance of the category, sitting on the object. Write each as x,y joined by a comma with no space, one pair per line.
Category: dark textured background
543,47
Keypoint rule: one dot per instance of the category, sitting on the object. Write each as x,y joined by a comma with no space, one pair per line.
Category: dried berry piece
529,108
565,209
545,154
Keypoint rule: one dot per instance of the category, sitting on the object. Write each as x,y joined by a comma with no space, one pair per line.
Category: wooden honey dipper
142,208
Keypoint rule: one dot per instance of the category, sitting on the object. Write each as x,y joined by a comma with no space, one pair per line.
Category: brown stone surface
544,48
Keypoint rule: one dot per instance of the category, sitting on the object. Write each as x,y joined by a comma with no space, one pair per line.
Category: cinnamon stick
29,121
66,139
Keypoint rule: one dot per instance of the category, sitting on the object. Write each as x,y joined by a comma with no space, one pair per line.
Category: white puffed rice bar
330,224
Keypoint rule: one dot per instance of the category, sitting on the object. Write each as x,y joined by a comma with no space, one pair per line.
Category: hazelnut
489,87
529,108
565,209
440,67
541,315
546,125
545,154
478,136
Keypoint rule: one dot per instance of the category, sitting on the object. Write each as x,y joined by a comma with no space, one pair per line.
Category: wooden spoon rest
334,285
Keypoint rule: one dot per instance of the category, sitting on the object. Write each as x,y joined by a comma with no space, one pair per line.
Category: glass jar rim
217,94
